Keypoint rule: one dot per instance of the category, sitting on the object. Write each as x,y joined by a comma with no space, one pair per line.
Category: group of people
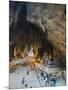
49,79
24,81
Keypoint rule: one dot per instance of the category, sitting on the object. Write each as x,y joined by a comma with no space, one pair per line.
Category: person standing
23,81
53,81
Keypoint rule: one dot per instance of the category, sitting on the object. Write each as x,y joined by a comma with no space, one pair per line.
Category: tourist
46,78
28,72
53,80
46,60
42,75
31,87
30,53
26,85
64,75
46,81
23,81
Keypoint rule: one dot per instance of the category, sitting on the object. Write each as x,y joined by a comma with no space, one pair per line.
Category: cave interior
24,34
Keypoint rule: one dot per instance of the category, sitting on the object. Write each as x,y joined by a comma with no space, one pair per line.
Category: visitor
26,85
38,77
64,75
23,81
46,60
46,78
53,80
28,72
30,53
42,75
31,87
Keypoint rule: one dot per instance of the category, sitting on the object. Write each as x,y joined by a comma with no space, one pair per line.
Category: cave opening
25,35
36,44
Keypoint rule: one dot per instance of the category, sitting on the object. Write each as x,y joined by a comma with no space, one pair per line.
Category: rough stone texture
50,17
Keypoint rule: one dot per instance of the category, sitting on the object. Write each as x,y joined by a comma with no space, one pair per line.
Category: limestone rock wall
50,17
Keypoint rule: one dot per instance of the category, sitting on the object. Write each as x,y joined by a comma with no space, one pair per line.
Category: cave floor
32,77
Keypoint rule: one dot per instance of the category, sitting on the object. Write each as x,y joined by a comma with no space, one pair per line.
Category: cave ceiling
38,20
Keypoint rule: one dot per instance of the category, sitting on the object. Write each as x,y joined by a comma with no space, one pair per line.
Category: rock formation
45,24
